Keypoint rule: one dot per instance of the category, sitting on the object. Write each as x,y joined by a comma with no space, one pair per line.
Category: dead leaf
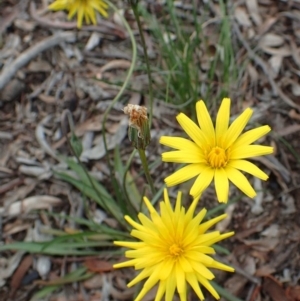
293,293
222,225
272,231
269,22
271,40
296,89
242,17
263,245
253,9
98,266
93,41
94,282
15,227
9,266
293,114
275,62
265,270
31,203
284,51
236,284
274,289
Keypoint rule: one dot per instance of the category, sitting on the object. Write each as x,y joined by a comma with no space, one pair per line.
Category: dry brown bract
137,116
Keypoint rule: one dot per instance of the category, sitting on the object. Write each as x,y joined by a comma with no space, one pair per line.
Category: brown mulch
48,66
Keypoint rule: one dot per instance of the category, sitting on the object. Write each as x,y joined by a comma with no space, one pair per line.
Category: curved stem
125,84
134,5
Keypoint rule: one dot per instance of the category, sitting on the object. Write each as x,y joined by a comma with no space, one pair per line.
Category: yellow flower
216,153
84,9
173,250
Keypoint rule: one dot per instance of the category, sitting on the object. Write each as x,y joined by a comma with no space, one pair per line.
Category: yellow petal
185,265
193,131
204,249
59,5
205,226
222,121
250,151
170,288
161,290
101,7
205,122
203,270
129,244
166,269
248,167
80,17
220,266
184,174
125,264
184,156
180,279
251,136
208,286
178,143
151,281
217,237
221,185
237,127
149,205
202,182
240,181
193,281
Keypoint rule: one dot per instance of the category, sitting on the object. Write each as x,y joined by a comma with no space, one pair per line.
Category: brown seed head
137,116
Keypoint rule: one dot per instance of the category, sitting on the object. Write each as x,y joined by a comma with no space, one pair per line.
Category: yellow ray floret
216,153
85,9
173,250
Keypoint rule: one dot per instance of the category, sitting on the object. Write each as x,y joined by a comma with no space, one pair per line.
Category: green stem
134,5
146,170
129,161
124,86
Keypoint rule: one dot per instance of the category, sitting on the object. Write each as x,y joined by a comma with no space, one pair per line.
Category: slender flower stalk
216,153
139,135
173,250
134,6
85,9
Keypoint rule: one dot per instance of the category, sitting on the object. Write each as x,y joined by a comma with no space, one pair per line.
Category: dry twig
24,58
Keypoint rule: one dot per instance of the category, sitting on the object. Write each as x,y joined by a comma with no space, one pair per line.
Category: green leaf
76,145
56,249
91,188
75,276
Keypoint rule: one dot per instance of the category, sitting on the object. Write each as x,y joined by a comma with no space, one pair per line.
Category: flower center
175,250
217,157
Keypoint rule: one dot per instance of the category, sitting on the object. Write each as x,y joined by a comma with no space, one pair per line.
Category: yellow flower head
217,153
173,250
84,9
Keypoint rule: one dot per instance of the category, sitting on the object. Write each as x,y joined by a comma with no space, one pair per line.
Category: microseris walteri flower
85,9
173,250
216,153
